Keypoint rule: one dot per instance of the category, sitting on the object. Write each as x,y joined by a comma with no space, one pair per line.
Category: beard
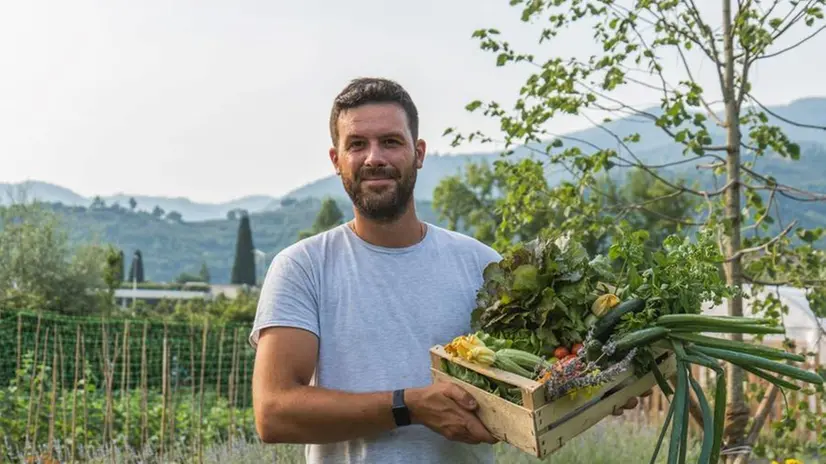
384,204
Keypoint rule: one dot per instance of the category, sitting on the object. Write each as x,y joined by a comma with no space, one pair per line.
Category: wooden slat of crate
523,426
506,421
555,438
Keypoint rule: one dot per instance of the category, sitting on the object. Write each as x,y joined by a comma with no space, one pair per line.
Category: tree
157,212
174,216
243,269
113,273
136,268
328,216
39,269
204,273
132,203
636,48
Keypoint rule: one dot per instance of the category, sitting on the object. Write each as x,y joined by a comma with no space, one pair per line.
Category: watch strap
401,414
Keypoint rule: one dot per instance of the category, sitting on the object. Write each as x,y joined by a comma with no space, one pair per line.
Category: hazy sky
218,99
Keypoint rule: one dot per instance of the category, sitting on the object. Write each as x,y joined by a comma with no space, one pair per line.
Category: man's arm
288,410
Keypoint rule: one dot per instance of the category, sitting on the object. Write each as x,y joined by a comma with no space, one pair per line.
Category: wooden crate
539,427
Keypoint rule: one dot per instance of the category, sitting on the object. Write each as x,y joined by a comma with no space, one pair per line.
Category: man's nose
375,155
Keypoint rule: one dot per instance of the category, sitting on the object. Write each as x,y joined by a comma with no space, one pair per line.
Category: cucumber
641,337
603,327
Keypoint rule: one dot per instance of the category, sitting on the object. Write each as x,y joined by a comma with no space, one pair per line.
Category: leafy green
540,294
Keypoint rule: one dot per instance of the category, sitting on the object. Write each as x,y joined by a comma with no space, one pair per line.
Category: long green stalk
733,345
680,411
708,421
667,421
773,379
719,399
763,363
736,328
673,320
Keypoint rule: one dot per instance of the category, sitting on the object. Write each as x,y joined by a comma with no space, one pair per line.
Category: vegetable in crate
541,295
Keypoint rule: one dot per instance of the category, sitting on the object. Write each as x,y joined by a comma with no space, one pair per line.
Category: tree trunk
738,412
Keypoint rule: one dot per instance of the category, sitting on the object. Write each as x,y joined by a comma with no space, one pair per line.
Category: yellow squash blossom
471,348
604,303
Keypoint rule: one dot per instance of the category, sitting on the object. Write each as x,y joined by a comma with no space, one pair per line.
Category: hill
655,147
188,209
170,248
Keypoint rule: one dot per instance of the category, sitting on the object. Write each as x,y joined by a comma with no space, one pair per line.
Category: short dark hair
364,90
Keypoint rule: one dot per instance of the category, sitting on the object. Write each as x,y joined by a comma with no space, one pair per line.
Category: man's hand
630,404
447,409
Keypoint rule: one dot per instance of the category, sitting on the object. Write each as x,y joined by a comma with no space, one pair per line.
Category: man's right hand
449,410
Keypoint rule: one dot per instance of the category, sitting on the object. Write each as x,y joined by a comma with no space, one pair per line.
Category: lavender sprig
562,381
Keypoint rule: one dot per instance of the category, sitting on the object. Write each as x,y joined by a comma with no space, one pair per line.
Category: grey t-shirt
377,311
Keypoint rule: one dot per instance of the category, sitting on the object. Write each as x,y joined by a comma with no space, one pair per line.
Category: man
346,317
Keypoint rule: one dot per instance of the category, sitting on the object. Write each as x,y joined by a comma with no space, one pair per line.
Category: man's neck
405,231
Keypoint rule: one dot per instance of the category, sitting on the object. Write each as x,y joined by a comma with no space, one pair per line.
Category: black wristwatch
400,412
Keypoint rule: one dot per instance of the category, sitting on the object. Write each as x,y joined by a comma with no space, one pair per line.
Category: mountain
188,209
169,247
655,147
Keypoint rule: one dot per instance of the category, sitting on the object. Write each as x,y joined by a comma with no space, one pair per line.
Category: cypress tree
243,269
136,269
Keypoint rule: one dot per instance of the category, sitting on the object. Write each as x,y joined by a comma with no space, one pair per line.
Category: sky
214,100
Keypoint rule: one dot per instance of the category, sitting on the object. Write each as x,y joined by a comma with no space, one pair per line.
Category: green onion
763,363
733,345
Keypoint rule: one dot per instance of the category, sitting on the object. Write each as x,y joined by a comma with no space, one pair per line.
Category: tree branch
777,237
761,218
788,121
792,47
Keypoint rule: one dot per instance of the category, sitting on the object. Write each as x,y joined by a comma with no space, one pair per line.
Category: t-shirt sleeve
287,299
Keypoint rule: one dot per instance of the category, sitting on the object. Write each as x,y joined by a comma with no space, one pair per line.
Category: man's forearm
316,415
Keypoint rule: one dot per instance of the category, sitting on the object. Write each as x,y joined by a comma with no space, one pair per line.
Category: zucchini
506,364
522,358
733,345
603,327
641,337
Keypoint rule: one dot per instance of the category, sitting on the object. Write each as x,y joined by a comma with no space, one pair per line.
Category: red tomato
575,349
560,352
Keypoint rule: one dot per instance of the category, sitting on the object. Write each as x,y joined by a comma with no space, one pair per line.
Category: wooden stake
201,400
125,386
144,412
40,391
220,359
164,380
53,405
192,389
74,390
31,381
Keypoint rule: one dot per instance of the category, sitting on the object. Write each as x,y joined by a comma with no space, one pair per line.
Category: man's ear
421,149
334,159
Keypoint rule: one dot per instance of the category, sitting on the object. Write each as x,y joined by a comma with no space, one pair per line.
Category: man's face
377,159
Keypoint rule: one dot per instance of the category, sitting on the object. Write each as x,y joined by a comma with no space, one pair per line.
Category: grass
611,441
